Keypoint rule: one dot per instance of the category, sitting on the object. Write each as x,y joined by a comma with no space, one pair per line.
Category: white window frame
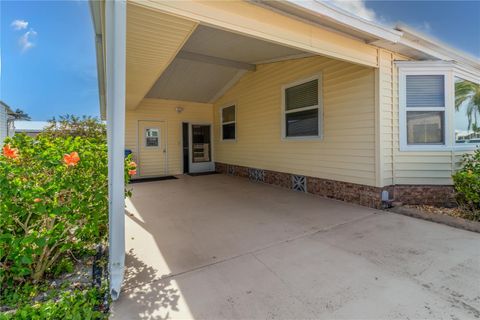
319,107
228,122
145,137
449,70
403,73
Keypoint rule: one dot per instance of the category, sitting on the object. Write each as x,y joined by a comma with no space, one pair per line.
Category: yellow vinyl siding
407,167
346,152
387,87
153,40
164,110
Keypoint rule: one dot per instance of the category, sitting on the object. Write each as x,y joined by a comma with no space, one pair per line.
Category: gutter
419,41
317,11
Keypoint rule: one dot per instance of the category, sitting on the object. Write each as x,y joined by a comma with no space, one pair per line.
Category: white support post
115,31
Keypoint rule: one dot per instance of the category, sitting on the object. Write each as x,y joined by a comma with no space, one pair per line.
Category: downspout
115,43
97,18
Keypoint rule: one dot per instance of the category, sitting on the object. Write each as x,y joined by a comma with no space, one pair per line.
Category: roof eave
434,47
402,37
321,10
8,108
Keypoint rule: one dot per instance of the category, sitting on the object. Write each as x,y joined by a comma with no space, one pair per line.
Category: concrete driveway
220,247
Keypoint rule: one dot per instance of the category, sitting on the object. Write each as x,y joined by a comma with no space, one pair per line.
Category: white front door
201,153
152,149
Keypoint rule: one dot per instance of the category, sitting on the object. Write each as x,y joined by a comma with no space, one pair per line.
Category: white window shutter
425,91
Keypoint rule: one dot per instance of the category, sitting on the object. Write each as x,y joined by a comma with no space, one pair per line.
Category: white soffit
211,61
187,80
223,44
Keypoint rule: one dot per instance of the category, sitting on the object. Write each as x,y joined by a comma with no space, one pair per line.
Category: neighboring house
30,128
298,94
7,117
465,137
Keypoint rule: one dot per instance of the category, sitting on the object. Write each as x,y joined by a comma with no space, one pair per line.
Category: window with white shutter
432,115
424,91
302,109
425,108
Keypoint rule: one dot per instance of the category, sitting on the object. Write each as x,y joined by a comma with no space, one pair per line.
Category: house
7,117
298,94
30,128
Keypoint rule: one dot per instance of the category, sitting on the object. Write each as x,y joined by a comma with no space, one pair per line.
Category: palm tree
21,115
468,91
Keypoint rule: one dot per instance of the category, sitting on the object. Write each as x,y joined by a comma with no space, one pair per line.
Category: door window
152,137
201,146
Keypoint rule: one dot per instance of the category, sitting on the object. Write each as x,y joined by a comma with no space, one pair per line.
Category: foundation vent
230,170
299,183
256,175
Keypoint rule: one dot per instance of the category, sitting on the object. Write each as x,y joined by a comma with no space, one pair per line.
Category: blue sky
456,23
53,71
48,54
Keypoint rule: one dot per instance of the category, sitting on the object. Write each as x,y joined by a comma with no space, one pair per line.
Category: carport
240,250
152,50
221,247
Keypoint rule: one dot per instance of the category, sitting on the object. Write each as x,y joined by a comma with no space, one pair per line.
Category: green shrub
53,201
53,206
50,203
467,186
81,304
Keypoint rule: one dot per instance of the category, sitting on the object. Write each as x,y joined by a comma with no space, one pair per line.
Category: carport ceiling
211,61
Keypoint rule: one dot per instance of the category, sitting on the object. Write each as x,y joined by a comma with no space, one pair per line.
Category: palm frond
468,92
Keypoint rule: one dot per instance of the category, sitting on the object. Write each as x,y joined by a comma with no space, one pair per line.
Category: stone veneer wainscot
369,196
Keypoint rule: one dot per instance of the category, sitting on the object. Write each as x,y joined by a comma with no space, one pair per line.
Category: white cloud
425,27
26,40
357,7
19,24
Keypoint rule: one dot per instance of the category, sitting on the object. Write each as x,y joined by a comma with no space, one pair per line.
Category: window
467,112
425,127
425,108
424,101
438,106
302,112
152,137
229,126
